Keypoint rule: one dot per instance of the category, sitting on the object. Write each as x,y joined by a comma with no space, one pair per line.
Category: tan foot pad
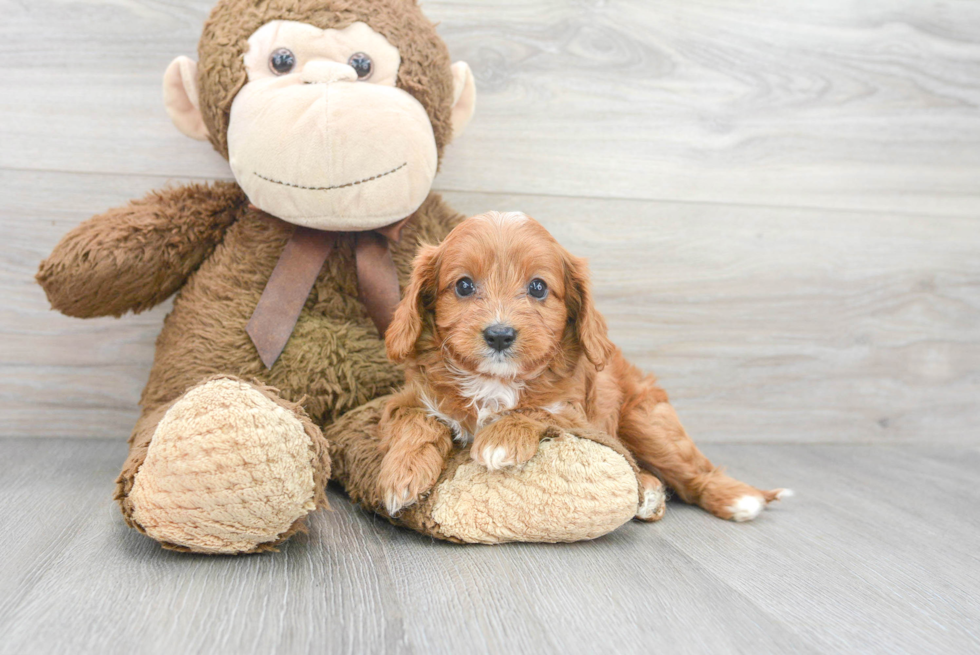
228,469
572,489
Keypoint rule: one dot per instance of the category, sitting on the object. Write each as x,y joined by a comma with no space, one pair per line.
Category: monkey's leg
579,485
649,427
228,467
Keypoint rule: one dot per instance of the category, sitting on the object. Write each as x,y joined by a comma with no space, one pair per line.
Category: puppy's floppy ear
406,325
588,324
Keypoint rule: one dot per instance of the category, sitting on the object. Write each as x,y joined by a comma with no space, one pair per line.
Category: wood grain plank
859,547
778,103
63,373
624,593
50,490
854,563
75,579
765,324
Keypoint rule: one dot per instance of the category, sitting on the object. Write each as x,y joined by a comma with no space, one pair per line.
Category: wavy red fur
561,370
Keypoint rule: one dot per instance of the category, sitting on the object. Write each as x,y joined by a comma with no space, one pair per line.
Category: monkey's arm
134,257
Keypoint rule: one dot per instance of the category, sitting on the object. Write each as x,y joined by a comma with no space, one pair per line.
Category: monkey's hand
134,257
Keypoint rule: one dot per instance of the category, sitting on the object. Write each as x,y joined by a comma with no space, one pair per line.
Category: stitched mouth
336,186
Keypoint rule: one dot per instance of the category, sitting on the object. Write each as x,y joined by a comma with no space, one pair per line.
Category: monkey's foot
577,486
230,469
572,489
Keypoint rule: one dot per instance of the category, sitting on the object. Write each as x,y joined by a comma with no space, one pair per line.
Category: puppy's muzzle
500,337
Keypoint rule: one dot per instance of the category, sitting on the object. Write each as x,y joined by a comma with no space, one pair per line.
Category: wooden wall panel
780,200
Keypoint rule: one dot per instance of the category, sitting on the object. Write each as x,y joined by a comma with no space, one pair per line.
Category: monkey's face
320,134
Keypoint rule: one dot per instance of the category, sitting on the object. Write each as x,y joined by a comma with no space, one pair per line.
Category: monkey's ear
180,98
464,96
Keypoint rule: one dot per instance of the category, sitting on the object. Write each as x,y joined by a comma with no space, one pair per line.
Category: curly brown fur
133,258
207,245
335,360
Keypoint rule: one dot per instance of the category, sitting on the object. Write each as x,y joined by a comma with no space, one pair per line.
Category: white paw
747,508
784,493
498,457
396,501
653,504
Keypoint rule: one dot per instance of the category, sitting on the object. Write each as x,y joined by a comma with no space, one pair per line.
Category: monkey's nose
326,72
500,337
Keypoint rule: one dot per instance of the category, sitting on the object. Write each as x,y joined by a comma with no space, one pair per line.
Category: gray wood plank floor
879,552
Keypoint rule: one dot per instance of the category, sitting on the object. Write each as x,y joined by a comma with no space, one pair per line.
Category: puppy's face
500,304
499,297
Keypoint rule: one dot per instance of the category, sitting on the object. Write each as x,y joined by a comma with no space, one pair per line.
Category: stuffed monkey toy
270,371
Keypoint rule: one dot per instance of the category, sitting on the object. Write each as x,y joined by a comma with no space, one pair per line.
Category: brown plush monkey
333,115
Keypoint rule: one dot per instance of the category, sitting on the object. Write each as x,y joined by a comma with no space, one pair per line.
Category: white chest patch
460,434
489,396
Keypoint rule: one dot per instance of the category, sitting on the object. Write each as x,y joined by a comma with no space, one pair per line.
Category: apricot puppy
501,340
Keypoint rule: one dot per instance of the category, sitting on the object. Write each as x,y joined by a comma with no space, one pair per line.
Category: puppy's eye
537,288
465,287
361,64
282,61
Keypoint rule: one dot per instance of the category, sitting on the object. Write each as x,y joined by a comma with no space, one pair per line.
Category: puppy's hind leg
654,498
649,427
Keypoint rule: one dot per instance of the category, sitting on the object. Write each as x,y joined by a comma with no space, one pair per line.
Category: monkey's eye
361,64
465,287
537,288
282,61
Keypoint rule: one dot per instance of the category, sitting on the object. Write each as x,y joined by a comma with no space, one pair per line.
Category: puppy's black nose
500,337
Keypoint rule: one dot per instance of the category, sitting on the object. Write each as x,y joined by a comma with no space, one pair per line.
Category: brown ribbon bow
296,272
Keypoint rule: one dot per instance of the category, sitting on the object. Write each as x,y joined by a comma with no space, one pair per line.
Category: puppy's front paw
406,475
505,443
